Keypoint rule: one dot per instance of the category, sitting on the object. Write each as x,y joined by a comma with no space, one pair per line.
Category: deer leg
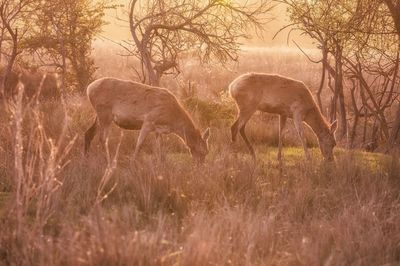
282,123
241,124
144,131
159,144
234,129
89,135
241,120
104,124
298,123
243,134
104,131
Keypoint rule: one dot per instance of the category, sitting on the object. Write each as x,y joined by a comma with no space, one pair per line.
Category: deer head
200,148
328,142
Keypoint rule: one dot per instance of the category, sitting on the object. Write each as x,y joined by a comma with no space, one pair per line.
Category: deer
135,106
286,97
34,81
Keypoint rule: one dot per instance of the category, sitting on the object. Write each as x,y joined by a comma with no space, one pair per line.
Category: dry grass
228,211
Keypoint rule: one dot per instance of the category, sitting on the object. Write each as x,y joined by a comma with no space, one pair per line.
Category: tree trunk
141,46
394,139
394,8
356,115
7,90
1,44
339,90
321,85
394,11
153,78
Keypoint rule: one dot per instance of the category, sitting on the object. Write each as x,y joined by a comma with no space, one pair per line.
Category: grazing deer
136,106
285,97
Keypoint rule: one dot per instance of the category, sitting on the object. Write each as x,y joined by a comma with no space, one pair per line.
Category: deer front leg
103,125
282,123
147,127
159,148
298,123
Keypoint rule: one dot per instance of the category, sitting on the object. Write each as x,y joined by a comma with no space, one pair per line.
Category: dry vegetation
59,207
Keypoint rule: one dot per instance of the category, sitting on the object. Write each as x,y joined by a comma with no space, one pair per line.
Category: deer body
283,96
33,80
136,106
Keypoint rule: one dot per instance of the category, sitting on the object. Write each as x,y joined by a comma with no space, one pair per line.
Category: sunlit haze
117,29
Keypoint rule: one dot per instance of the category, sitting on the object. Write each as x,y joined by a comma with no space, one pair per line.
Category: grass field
58,207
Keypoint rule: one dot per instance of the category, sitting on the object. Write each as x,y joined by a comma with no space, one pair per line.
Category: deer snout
330,158
199,159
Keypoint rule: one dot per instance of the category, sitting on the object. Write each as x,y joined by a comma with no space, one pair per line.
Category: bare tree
357,43
162,30
319,20
394,8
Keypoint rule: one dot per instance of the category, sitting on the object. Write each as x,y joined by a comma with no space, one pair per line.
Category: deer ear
334,126
206,134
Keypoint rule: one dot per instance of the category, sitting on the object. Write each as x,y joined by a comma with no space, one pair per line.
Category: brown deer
137,106
285,97
34,82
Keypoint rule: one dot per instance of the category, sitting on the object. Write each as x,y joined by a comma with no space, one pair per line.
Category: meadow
58,207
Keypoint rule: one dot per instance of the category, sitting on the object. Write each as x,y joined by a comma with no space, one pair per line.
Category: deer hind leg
251,149
240,124
89,135
241,120
298,123
282,123
235,129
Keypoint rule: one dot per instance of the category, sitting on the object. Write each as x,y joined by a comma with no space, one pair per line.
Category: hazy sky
118,30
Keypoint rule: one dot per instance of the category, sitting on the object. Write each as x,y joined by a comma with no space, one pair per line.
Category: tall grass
58,207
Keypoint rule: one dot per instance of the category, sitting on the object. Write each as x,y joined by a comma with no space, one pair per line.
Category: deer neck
188,132
318,124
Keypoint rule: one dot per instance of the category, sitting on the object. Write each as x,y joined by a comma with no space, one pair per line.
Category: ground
231,210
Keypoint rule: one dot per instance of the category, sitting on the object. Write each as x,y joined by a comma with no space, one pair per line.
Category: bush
211,113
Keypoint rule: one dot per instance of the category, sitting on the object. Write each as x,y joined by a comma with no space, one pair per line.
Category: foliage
62,36
209,112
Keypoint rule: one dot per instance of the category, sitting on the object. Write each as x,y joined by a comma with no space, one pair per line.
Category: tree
164,29
357,44
14,24
326,22
62,36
